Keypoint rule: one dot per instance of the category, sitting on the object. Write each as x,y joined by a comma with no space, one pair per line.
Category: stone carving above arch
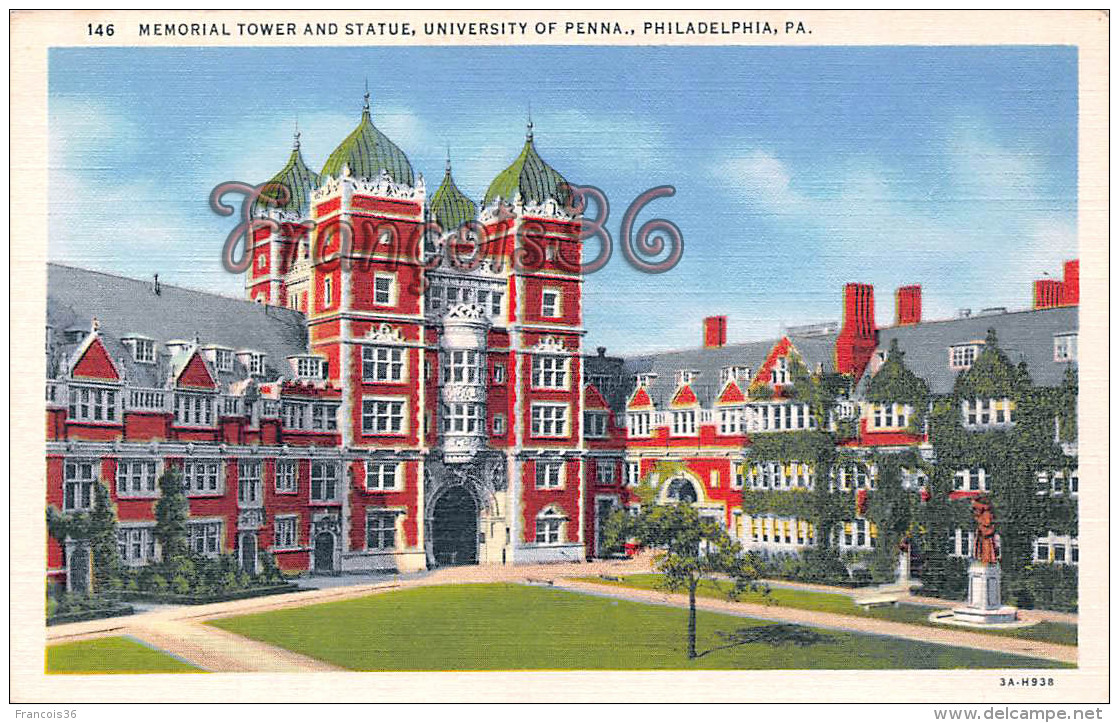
384,334
550,345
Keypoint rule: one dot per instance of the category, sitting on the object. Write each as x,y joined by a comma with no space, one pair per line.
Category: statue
986,549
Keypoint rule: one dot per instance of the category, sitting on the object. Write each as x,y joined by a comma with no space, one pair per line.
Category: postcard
560,356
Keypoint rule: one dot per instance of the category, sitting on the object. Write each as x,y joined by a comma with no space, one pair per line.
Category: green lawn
112,655
1060,633
517,627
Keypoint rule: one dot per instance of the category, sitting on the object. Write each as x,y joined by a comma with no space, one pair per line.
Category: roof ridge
976,317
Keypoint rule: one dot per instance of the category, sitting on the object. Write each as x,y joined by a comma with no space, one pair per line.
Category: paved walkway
180,630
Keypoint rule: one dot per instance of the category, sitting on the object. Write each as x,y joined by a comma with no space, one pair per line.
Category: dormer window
253,361
176,345
780,371
143,349
223,359
645,380
1064,347
307,367
685,376
735,374
962,356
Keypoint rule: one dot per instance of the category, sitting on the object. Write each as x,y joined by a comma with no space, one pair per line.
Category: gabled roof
684,397
731,394
593,399
189,369
90,360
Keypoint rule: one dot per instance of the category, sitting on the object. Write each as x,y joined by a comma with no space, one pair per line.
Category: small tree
689,548
98,528
171,513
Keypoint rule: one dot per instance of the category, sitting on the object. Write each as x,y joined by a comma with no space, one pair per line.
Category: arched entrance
324,553
682,490
454,528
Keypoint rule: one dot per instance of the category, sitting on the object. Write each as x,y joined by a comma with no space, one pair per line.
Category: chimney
155,286
858,338
714,332
907,305
1047,293
1070,289
601,351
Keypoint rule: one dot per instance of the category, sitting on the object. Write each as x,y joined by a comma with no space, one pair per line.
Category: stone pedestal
984,597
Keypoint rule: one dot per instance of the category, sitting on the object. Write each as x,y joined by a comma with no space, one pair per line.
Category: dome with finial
529,176
290,189
450,207
366,152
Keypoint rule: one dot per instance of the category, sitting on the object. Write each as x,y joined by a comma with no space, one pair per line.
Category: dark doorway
604,508
324,553
454,529
248,552
78,579
682,490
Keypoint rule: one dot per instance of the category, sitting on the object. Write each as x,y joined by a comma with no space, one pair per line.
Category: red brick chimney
1070,289
858,338
714,332
907,305
1047,293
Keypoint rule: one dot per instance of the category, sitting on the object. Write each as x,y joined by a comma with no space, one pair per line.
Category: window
645,380
77,490
143,351
889,416
201,476
962,356
287,480
549,420
638,424
295,415
462,367
255,362
685,376
384,290
633,473
495,303
284,531
550,304
382,416
780,373
324,481
309,367
1064,347
324,417
90,404
960,542
739,473
223,359
382,364
987,412
683,423
734,373
499,424
549,372
971,480
194,410
136,477
549,527
549,475
327,292
380,530
595,423
204,538
1057,549
499,374
136,545
463,417
604,473
382,476
249,492
730,421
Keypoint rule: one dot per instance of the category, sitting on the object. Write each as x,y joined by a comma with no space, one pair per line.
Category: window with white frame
889,416
296,415
194,410
223,360
549,526
549,372
638,423
462,366
1057,549
324,417
961,542
595,424
202,476
287,480
285,535
973,479
204,537
384,289
382,476
1058,482
499,424
249,489
740,473
962,356
549,475
633,473
685,376
93,404
136,545
604,473
382,416
683,423
1064,347
464,417
645,380
780,373
551,304
978,413
730,421
854,534
380,529
327,292
549,420
382,364
309,367
495,303
734,373
79,476
137,477
498,373
324,481
143,350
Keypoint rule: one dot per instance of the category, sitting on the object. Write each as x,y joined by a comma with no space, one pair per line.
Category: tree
97,527
689,549
171,513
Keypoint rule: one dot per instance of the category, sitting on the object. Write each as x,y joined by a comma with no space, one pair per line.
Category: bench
878,600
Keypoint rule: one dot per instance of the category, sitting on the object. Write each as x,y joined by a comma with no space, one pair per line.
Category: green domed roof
531,177
450,207
297,180
368,151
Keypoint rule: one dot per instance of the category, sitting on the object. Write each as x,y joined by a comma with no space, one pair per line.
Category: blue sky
796,169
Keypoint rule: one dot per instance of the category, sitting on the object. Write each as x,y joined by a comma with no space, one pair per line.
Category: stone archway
682,489
454,528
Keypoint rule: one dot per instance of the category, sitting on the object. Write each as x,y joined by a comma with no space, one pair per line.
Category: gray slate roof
126,307
1022,335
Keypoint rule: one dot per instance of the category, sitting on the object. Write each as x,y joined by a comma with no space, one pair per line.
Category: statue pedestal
984,597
